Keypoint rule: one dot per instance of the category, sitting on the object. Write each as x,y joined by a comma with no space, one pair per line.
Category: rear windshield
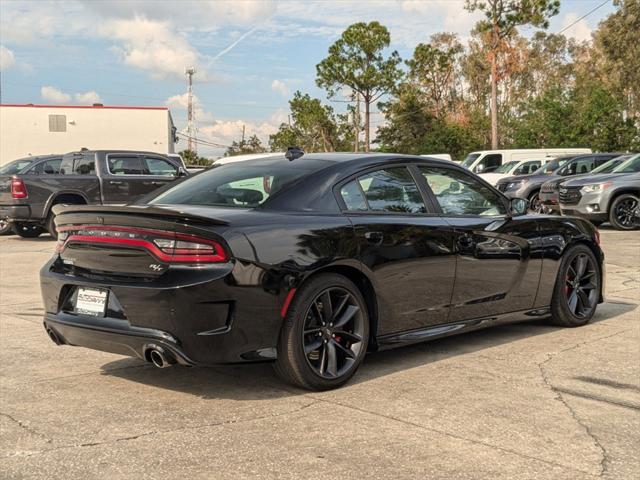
243,184
15,166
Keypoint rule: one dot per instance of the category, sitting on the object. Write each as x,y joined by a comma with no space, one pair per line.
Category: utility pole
356,146
191,116
243,127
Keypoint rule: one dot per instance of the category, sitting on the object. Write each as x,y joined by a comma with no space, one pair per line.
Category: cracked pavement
511,402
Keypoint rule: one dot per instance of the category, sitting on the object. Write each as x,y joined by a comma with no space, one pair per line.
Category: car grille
570,195
549,187
501,186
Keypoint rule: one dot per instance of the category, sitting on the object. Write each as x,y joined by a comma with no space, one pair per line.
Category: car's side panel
411,258
498,268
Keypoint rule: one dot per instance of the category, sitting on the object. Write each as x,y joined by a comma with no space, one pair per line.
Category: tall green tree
314,127
357,60
192,158
502,18
243,147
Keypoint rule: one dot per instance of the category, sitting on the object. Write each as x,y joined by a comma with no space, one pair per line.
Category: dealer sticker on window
91,302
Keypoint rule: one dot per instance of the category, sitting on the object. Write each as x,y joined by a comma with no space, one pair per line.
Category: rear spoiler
176,212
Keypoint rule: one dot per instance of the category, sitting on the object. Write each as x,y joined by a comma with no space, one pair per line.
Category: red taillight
18,188
167,247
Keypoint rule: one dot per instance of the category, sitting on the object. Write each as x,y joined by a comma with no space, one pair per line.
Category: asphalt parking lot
517,401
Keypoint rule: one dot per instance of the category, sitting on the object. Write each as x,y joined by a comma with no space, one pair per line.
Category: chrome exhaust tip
158,357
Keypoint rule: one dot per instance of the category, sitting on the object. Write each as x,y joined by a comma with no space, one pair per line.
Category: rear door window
390,190
49,167
160,167
125,165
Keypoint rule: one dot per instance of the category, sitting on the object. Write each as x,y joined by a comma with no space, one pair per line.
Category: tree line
500,90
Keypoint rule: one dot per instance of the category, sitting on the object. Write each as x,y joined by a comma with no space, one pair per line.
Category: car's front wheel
577,289
623,214
325,334
535,205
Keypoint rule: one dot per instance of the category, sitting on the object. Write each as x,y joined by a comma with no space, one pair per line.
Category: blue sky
251,55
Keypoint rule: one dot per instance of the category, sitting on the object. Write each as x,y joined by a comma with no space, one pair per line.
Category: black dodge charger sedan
310,262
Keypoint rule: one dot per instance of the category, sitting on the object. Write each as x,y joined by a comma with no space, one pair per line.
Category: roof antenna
293,153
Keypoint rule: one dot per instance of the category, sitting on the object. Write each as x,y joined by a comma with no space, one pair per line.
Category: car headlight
514,185
596,187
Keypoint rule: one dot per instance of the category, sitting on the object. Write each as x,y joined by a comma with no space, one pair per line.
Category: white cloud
580,31
180,102
7,59
87,98
280,87
53,95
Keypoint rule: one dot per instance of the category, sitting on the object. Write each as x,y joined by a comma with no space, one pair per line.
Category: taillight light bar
18,188
168,247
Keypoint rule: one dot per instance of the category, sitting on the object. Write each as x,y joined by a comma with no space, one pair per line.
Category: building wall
25,129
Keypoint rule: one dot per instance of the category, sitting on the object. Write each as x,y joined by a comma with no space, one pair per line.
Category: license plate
91,301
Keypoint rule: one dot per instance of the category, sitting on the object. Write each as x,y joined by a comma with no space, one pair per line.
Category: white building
42,129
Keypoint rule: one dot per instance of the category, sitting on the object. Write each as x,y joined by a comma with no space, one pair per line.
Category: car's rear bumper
15,212
202,317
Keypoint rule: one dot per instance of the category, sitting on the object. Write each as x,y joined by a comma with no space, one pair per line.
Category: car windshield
15,166
506,167
243,184
467,162
630,166
610,165
550,167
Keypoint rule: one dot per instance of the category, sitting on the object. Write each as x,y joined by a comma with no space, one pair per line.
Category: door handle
113,182
374,238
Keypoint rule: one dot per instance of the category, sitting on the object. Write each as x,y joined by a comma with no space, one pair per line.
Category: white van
488,160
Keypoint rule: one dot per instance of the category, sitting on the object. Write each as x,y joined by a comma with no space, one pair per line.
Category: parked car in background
84,177
43,164
528,186
605,197
514,167
345,254
549,195
485,161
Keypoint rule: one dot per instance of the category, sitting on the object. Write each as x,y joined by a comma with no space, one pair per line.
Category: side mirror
479,168
182,172
518,206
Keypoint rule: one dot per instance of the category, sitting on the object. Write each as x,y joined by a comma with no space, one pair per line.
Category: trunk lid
136,242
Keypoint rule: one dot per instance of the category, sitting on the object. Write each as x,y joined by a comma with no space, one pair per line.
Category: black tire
534,203
623,213
5,227
577,289
302,356
51,226
27,230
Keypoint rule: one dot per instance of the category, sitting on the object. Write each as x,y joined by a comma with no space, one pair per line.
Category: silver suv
612,197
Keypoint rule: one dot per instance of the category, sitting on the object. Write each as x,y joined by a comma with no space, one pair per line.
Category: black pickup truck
92,177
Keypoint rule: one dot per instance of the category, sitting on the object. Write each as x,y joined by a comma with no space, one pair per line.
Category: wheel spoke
348,314
332,361
313,346
572,271
323,360
573,301
348,336
348,352
343,302
583,300
327,308
581,265
312,330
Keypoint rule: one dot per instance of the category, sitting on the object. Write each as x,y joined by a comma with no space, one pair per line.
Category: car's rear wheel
623,214
27,230
577,288
325,334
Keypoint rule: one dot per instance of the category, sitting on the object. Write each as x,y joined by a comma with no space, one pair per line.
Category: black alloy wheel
577,289
624,213
333,333
325,333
